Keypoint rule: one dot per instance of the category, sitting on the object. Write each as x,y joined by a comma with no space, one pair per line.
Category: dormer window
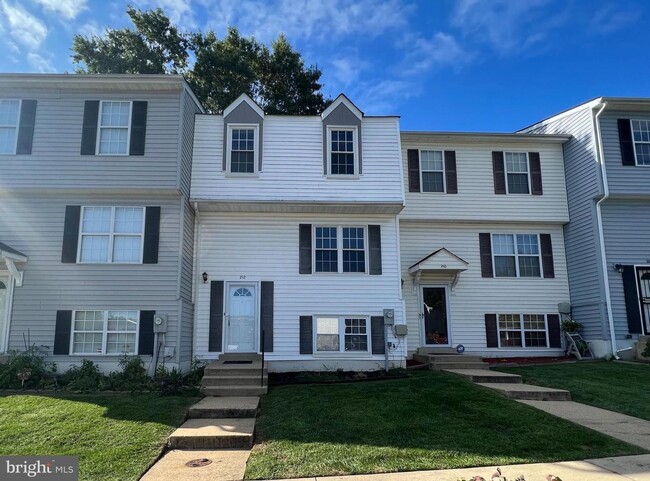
242,149
341,151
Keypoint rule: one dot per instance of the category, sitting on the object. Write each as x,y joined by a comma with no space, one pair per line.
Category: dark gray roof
11,250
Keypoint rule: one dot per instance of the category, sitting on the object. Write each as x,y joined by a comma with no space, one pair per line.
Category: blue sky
453,65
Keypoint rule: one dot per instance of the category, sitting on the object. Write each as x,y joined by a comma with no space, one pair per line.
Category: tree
221,70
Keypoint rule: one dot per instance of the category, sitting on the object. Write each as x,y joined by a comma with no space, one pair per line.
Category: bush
133,376
646,351
84,378
569,325
25,369
195,375
169,382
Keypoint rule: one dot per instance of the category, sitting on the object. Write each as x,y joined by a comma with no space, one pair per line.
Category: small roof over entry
440,261
10,256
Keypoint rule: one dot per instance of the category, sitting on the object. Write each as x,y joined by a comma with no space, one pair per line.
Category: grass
116,436
620,387
429,421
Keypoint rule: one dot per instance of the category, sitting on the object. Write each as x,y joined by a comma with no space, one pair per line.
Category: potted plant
569,325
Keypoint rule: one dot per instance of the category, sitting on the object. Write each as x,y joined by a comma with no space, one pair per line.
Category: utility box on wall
389,317
401,329
160,323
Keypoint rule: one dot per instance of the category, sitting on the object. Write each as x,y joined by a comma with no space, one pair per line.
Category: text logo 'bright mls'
44,468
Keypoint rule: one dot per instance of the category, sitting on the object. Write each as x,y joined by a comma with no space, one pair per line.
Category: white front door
241,318
4,309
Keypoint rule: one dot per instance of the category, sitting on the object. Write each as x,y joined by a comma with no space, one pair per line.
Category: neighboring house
96,232
607,164
297,243
482,250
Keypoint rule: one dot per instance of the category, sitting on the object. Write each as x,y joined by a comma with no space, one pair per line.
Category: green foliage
133,376
569,325
646,351
83,378
195,375
169,382
222,69
26,369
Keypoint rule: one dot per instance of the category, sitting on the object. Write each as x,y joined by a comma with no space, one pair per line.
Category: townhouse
607,163
96,231
481,235
297,247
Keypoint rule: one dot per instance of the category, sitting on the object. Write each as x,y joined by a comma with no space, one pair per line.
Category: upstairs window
432,170
517,175
242,149
9,115
114,127
516,255
641,136
340,249
341,151
111,235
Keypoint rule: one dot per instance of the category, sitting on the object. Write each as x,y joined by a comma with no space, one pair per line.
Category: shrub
84,378
24,369
195,375
169,382
646,351
133,376
569,325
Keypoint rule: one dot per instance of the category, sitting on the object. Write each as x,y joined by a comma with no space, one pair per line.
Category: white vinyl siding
104,332
522,330
339,249
111,235
9,118
242,149
334,334
114,130
432,171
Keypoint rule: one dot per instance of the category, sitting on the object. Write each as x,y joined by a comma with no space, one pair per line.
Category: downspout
601,235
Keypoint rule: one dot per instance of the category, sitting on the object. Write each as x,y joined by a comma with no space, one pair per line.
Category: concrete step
247,380
437,350
237,391
225,407
214,434
454,358
441,366
218,368
240,356
528,391
483,376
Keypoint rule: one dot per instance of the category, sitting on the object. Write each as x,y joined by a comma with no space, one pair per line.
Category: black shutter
625,141
499,173
151,235
632,306
378,335
554,332
70,234
89,130
485,247
374,244
215,335
450,172
491,333
266,315
535,173
547,255
413,156
26,127
304,251
306,335
138,128
62,332
146,337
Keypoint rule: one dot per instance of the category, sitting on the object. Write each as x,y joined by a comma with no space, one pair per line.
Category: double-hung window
9,115
432,170
342,152
111,235
516,255
242,149
340,249
342,334
641,136
105,332
114,128
517,173
522,330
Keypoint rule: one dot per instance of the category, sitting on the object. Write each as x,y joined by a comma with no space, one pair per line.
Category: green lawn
429,421
116,436
616,386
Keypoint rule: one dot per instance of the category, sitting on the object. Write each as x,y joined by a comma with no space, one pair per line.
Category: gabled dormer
243,123
342,156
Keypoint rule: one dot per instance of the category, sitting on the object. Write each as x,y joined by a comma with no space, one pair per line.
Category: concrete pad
225,407
620,426
486,376
636,468
213,434
227,465
528,391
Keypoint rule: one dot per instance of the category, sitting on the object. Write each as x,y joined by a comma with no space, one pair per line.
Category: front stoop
528,391
483,376
214,434
439,360
236,375
225,407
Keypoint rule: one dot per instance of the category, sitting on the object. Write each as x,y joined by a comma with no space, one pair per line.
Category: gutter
601,236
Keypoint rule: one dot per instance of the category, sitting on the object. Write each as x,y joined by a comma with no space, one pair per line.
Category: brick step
214,434
486,376
225,407
247,380
243,391
441,366
529,392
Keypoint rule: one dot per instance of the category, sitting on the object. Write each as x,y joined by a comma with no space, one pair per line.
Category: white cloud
68,9
39,63
25,28
609,19
178,11
90,29
347,70
424,54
